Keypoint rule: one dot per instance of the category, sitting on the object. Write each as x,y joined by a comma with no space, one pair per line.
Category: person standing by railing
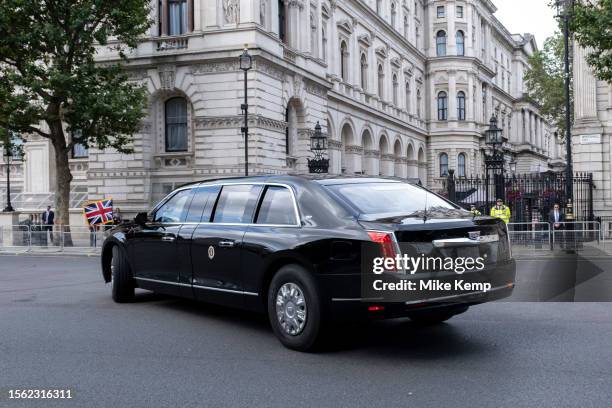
48,220
556,217
501,211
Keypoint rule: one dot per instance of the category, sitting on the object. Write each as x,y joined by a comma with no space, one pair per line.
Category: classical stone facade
401,87
592,131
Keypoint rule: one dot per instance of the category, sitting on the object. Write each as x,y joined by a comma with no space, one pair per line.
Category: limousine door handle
226,244
168,239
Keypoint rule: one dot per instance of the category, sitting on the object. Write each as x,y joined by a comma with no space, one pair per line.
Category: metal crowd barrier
532,235
574,235
51,238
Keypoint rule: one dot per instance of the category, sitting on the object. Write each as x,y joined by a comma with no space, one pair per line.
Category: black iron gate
529,196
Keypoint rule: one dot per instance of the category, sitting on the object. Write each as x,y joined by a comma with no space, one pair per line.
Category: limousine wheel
123,283
430,318
294,308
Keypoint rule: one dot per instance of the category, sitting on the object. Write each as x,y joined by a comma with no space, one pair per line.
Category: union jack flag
99,212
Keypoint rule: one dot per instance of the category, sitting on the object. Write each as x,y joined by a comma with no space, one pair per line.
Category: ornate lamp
318,145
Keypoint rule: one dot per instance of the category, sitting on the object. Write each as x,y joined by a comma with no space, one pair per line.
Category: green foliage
48,72
591,23
545,81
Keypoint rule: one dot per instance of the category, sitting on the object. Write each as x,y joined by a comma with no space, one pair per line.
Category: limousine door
217,246
155,244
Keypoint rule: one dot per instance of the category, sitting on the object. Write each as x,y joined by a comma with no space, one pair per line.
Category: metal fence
51,238
568,236
530,196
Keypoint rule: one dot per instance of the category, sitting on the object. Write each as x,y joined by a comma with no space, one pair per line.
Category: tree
545,81
51,85
590,23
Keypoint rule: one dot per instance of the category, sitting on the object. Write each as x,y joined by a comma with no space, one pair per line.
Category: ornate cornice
226,122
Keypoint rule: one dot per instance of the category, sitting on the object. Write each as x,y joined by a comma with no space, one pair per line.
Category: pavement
59,328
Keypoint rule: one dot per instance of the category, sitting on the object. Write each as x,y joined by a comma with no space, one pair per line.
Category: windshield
378,200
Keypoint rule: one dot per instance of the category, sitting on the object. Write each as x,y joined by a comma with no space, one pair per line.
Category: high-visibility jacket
501,212
475,213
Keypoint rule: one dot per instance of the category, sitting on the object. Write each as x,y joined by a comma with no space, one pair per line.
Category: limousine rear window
276,207
388,198
236,204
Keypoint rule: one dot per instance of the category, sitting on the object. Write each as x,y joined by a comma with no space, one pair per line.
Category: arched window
406,27
282,28
176,125
418,104
443,165
381,81
442,106
395,86
461,105
460,42
364,72
407,96
313,36
344,61
441,43
461,165
393,14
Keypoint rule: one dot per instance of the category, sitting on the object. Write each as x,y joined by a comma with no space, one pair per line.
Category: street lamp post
564,8
318,145
246,63
8,156
495,161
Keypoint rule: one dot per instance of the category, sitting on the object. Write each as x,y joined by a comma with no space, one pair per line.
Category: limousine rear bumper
345,308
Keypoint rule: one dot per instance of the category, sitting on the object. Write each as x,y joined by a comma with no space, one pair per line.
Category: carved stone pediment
346,25
365,40
396,62
381,51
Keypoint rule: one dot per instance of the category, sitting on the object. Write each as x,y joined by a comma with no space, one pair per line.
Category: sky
527,16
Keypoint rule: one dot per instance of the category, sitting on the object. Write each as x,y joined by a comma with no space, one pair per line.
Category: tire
122,281
430,318
291,286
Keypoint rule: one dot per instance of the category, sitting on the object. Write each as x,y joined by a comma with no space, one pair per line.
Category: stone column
294,26
585,94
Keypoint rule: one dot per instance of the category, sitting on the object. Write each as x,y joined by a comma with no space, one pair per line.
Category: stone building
592,132
401,87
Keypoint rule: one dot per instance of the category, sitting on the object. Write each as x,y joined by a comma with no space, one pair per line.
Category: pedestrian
556,217
474,210
501,211
48,220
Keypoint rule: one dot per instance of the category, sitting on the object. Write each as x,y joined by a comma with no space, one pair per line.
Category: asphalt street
59,328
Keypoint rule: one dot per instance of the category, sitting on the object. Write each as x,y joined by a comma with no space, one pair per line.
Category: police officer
474,211
501,211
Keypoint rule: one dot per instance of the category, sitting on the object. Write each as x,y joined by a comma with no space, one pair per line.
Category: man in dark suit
556,218
48,219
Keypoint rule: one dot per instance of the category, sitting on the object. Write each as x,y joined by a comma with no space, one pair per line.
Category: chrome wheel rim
291,310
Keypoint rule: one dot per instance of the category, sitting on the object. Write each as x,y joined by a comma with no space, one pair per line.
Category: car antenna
425,212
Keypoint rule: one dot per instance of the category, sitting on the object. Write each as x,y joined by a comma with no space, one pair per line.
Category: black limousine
293,247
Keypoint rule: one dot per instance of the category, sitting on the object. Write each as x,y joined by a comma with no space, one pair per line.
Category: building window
177,17
282,28
460,41
441,43
418,103
381,81
343,61
324,45
79,150
393,14
440,11
364,72
395,86
378,6
459,11
408,97
176,125
443,165
287,140
461,105
461,165
313,36
406,27
442,106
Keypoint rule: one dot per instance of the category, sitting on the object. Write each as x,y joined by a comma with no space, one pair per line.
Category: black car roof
324,179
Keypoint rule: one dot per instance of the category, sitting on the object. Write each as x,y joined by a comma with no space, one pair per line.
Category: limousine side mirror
141,218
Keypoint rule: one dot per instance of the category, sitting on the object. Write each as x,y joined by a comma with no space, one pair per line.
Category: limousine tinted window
175,209
236,203
389,198
202,203
276,207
